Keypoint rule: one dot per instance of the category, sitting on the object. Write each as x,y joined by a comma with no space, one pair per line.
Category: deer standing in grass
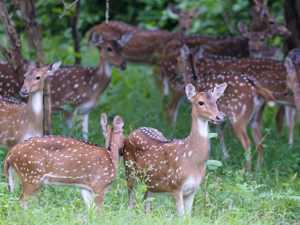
144,44
56,160
78,84
271,74
241,89
178,165
19,121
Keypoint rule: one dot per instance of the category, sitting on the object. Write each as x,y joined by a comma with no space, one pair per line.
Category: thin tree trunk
75,35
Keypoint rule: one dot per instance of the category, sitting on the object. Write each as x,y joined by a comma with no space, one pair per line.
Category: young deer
178,165
20,121
55,160
145,43
78,84
241,88
271,74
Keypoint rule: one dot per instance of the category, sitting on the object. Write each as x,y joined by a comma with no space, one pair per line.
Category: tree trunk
14,57
75,35
292,20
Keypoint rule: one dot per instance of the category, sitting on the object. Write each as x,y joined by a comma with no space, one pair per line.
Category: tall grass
227,195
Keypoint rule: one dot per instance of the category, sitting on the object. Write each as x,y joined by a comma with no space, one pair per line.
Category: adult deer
80,85
19,121
178,165
292,64
271,74
56,160
241,88
145,43
261,19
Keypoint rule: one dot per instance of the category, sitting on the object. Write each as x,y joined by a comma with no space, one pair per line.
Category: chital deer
261,19
257,39
56,160
78,84
271,74
145,43
19,121
241,89
178,165
292,64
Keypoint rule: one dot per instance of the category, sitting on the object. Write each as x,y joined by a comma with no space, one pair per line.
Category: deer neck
197,141
35,105
103,76
113,151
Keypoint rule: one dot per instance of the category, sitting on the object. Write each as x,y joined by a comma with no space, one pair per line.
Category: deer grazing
292,64
80,85
145,43
271,74
20,121
56,160
178,165
241,89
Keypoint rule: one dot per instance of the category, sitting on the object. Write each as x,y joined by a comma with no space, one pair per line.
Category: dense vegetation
227,195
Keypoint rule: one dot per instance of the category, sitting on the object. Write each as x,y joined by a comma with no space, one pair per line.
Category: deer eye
201,103
109,49
38,77
271,22
262,39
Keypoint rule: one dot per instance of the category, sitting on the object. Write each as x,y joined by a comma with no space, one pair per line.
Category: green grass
226,196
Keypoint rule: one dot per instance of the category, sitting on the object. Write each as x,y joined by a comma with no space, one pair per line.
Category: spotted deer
19,121
271,74
292,64
80,85
144,44
177,165
261,19
56,160
241,89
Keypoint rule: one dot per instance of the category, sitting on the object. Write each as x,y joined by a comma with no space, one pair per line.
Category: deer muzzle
23,92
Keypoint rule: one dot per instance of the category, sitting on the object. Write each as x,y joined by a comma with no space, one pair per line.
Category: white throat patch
37,102
203,127
108,69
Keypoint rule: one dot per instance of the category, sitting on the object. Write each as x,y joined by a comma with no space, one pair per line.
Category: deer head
111,50
185,17
204,103
34,78
256,39
113,134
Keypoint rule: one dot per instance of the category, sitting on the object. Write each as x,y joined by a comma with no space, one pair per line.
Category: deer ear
243,29
184,52
125,38
174,8
103,122
218,90
118,124
289,66
52,68
97,38
196,12
199,53
190,91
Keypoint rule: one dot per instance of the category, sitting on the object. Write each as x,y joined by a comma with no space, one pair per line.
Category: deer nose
219,118
253,49
123,66
184,28
289,33
23,92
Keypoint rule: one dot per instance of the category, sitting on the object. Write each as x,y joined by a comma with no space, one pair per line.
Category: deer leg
290,121
85,125
173,106
188,202
86,195
178,199
220,132
131,186
279,118
147,195
98,200
240,131
255,124
28,190
165,85
69,118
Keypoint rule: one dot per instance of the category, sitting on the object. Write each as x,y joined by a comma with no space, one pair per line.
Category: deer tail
8,173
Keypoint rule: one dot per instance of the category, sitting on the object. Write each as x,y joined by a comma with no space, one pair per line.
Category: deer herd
228,80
